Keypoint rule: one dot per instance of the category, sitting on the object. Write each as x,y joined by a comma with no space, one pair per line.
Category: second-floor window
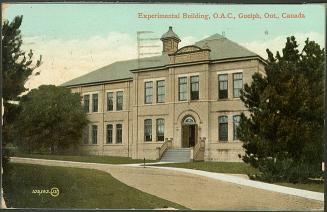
119,133
237,84
223,86
86,103
223,128
94,134
160,91
182,88
95,102
148,130
110,101
109,134
194,87
119,100
148,93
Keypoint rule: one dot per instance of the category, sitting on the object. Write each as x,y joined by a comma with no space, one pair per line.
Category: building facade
185,98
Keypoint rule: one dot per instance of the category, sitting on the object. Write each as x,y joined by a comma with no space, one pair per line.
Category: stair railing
198,151
164,147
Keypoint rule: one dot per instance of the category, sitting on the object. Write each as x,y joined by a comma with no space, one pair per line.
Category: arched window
189,121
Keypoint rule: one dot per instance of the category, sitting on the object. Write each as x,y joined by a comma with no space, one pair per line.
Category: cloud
278,43
64,60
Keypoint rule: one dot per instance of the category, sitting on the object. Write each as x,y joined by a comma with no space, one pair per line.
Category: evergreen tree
283,133
17,67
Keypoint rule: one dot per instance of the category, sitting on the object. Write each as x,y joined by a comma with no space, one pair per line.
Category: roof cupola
170,41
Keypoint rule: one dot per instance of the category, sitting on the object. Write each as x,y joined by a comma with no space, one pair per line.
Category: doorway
189,132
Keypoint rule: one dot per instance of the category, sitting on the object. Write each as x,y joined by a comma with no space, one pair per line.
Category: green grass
219,167
240,168
85,158
318,187
79,188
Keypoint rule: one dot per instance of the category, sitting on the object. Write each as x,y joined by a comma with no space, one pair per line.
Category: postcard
163,106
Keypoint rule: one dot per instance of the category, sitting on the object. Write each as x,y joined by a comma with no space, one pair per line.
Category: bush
287,170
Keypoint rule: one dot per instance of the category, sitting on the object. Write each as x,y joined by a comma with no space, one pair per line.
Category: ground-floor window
94,134
148,130
160,129
119,133
85,136
236,123
223,128
109,134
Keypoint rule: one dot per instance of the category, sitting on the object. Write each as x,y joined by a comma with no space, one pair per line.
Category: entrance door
188,136
191,138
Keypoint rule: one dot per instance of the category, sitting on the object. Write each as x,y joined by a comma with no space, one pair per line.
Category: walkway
194,190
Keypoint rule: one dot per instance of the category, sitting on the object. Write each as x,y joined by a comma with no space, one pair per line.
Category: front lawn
78,188
318,187
219,167
239,168
85,158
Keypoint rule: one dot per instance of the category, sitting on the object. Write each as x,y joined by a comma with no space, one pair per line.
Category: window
148,130
223,86
85,135
236,124
238,84
182,88
223,128
160,129
194,87
119,100
110,101
94,134
86,103
160,91
119,131
148,93
109,133
95,102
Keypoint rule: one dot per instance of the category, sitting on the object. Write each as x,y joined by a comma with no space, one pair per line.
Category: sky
75,39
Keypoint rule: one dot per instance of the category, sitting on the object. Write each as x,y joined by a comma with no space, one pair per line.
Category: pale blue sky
74,21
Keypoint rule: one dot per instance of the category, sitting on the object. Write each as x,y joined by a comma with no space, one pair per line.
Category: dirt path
196,192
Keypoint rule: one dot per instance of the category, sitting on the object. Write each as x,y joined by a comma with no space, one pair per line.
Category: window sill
89,144
229,142
229,99
113,144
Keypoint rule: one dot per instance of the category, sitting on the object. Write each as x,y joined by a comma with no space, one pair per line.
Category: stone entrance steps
177,155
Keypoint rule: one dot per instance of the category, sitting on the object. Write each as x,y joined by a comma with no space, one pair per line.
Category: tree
17,67
283,133
50,118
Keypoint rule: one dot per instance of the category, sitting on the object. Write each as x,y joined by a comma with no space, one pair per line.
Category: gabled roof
118,70
221,48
